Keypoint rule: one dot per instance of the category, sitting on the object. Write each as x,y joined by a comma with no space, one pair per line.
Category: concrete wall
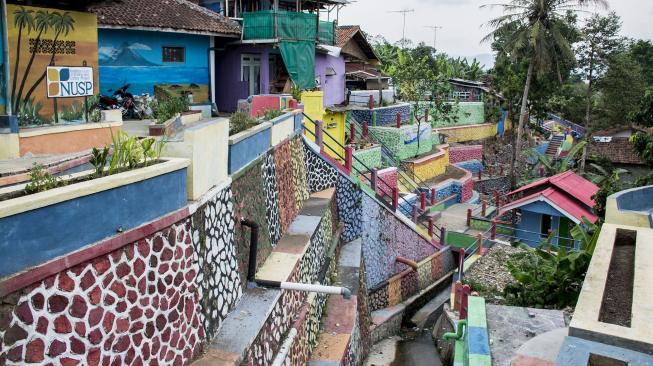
247,145
66,139
468,133
430,166
631,207
332,85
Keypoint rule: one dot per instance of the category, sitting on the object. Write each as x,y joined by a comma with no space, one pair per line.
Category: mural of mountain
127,56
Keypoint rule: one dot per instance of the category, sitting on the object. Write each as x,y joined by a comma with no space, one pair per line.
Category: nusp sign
68,82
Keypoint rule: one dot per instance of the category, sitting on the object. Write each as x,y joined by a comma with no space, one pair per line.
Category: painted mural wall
36,41
136,58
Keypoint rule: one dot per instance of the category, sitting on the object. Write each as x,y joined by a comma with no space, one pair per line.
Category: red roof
566,192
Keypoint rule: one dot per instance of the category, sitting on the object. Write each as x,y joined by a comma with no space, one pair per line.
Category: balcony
286,25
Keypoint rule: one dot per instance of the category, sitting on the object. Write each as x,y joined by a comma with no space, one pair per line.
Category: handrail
435,233
399,164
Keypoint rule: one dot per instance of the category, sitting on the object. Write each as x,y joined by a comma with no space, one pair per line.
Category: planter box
246,146
65,139
40,227
370,157
190,117
166,128
282,128
111,115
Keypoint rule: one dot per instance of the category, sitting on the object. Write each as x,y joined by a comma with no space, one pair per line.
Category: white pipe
285,348
316,288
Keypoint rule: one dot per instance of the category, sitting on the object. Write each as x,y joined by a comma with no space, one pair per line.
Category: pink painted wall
458,154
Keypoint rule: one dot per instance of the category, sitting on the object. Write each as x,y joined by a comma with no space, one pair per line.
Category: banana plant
555,166
602,175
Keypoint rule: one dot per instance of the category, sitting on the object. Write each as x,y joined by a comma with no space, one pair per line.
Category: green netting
327,33
299,58
294,26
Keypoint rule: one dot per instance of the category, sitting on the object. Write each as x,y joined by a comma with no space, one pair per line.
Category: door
250,72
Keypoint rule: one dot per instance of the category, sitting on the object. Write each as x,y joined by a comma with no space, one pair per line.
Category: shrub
240,121
41,180
167,108
271,114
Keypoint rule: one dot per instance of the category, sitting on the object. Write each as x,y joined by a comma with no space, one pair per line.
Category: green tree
555,166
534,33
642,52
644,113
600,40
621,90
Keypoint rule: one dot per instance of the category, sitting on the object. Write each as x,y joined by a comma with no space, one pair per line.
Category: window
174,54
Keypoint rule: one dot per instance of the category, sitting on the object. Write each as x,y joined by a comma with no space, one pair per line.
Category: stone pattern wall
385,116
385,238
462,187
468,133
473,166
395,140
467,113
409,282
320,174
153,301
349,197
429,167
387,181
366,158
488,185
459,154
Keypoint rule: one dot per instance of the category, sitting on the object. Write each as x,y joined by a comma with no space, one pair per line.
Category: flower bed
39,227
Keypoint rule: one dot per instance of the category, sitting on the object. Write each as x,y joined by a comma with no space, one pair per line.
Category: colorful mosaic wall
462,187
404,142
152,301
468,133
429,167
386,237
410,282
466,113
384,116
387,181
488,185
349,197
459,154
473,166
319,173
367,159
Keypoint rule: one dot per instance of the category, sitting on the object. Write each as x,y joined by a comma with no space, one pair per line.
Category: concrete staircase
554,146
266,320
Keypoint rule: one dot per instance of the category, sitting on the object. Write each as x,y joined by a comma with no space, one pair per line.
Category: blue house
160,47
554,204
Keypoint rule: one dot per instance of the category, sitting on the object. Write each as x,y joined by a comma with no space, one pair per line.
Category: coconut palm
62,24
42,20
538,38
22,19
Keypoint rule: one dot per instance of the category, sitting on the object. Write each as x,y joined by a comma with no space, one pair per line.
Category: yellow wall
431,167
334,123
9,147
469,133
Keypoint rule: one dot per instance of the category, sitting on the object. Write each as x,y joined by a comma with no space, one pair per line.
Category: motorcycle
130,107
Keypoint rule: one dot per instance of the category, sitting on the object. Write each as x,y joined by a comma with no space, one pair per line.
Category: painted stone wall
459,154
320,175
488,185
366,158
473,166
468,133
430,166
385,238
152,301
467,113
404,142
384,116
387,181
349,197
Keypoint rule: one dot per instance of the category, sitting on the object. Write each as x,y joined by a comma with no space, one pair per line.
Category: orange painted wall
67,142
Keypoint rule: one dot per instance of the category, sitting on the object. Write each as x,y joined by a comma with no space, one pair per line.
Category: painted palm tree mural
42,38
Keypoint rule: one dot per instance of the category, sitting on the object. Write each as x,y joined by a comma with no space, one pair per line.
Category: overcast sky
463,22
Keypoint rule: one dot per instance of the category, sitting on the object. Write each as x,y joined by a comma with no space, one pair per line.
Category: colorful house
361,62
554,204
283,43
167,50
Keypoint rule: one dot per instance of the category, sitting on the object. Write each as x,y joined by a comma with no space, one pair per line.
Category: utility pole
435,34
403,33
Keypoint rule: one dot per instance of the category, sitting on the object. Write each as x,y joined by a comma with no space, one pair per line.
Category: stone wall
404,142
488,185
383,116
364,159
466,113
430,166
461,153
473,166
468,133
152,300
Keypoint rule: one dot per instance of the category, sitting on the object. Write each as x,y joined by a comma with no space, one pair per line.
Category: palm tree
61,23
22,18
538,38
42,25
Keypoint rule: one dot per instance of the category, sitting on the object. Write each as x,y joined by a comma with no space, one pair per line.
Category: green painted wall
468,113
459,240
401,142
370,157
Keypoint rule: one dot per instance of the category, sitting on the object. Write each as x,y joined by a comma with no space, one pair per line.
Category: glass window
174,54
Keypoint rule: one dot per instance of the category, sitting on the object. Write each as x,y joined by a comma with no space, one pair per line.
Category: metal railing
396,200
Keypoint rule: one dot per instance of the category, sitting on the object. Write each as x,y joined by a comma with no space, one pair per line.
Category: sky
463,22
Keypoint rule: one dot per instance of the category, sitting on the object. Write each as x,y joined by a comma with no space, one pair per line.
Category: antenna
435,34
403,12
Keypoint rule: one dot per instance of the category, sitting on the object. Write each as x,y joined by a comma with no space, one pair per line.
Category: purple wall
333,86
229,89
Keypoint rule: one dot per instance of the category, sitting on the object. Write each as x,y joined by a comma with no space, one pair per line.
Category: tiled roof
344,34
175,15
